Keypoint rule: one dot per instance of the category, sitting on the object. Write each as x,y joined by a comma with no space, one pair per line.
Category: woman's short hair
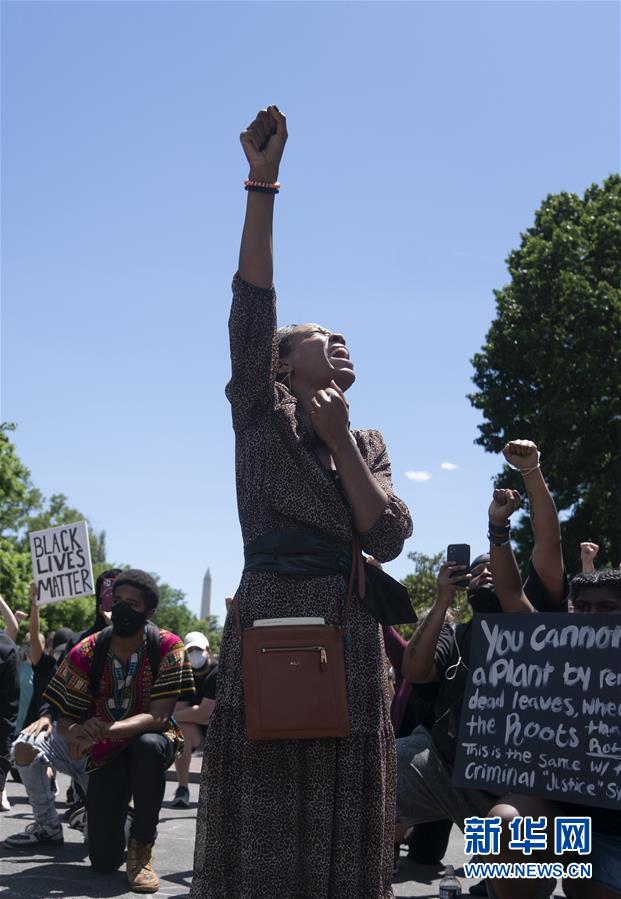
142,581
284,342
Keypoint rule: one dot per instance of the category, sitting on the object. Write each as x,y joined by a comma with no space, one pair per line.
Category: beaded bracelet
264,187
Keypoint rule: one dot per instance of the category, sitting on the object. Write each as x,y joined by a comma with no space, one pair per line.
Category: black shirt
205,683
9,696
420,709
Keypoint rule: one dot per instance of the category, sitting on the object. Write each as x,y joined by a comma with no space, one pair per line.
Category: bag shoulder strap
100,654
153,648
102,648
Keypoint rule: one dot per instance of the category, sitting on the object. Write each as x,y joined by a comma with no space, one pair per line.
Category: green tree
210,627
57,512
23,509
174,614
19,500
172,611
77,614
422,585
550,369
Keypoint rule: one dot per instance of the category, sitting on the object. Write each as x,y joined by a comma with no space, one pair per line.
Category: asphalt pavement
63,871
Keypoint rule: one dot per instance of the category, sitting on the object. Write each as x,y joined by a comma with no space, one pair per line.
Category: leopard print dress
298,819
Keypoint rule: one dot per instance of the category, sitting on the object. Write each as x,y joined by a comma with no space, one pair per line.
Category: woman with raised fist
300,818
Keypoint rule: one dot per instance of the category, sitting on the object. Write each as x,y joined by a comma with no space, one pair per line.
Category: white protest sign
61,562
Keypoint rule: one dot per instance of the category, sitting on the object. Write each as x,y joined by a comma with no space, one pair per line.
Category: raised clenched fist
588,550
503,505
264,142
522,454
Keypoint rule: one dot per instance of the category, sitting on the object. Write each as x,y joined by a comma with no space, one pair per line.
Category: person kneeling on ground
119,718
39,746
194,717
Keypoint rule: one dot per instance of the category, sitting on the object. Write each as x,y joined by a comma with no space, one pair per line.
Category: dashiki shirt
123,690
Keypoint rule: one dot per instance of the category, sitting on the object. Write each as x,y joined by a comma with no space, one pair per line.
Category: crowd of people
116,706
155,696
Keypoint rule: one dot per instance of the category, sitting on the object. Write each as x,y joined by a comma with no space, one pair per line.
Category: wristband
493,539
499,529
526,471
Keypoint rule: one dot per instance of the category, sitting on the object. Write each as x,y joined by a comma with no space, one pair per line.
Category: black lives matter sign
61,562
542,710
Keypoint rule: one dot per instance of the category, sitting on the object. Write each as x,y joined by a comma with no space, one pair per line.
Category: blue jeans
51,751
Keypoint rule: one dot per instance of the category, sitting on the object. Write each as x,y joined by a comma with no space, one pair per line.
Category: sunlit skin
317,368
316,358
481,577
131,596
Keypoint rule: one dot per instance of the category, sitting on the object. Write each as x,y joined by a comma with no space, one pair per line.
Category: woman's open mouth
340,354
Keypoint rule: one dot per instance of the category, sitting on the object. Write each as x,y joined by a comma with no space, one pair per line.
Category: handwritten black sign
542,710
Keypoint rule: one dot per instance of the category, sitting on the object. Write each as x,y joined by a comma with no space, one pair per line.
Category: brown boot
142,878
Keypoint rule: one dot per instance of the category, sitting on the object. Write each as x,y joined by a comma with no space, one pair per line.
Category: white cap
196,640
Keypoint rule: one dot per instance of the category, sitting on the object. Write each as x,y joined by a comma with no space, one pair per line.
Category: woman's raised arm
263,142
252,322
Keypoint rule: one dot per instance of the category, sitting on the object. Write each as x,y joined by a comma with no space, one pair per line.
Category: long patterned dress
309,819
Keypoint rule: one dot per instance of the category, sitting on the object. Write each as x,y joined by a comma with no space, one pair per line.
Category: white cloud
448,466
418,475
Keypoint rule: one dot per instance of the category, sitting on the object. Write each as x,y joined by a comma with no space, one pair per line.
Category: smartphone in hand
459,554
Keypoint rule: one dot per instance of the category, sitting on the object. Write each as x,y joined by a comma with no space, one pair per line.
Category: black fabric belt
293,553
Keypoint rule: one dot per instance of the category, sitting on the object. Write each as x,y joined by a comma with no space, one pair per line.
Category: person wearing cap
193,718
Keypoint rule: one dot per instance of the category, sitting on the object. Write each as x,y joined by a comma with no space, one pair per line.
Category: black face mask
484,600
127,621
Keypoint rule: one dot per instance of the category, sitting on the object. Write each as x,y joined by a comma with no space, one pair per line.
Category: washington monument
206,601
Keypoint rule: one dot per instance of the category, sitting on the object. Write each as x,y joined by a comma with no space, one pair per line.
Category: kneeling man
115,692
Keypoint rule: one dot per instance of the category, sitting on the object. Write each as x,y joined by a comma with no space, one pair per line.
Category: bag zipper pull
323,658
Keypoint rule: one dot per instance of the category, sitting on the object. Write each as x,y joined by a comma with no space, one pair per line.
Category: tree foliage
173,614
23,509
422,587
19,501
550,369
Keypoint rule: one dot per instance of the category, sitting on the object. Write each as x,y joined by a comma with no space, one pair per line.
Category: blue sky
422,138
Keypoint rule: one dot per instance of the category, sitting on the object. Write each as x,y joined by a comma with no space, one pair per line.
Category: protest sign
542,709
61,562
